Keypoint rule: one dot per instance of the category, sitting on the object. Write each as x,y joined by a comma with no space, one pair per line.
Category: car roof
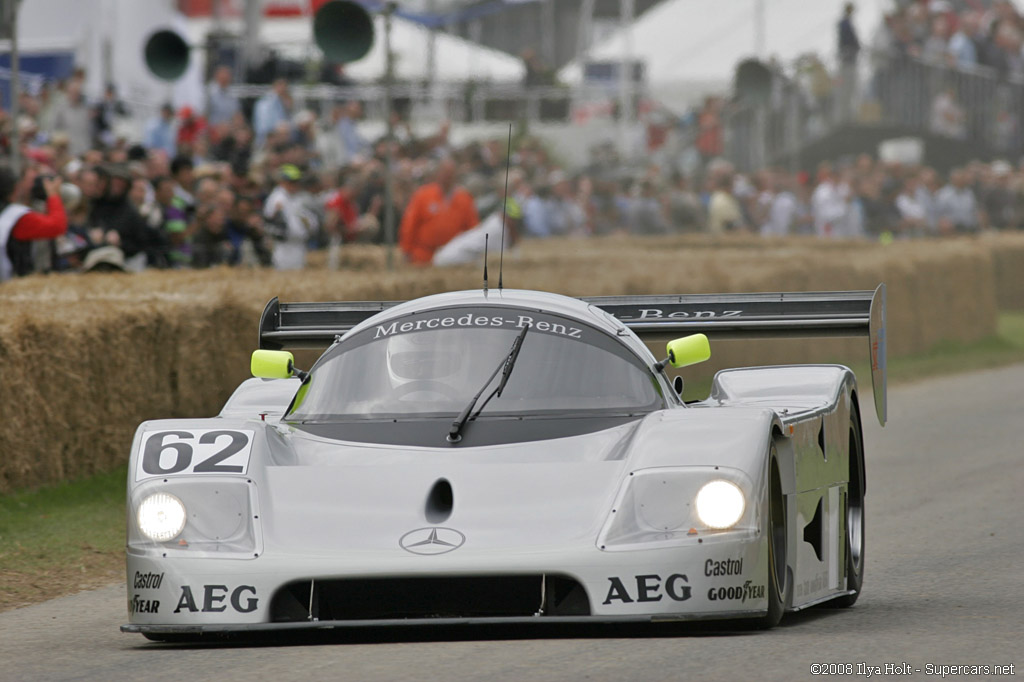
527,299
520,298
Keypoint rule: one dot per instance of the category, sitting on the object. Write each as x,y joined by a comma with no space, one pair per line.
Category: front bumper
723,577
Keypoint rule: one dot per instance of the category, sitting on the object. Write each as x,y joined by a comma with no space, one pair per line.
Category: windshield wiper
506,366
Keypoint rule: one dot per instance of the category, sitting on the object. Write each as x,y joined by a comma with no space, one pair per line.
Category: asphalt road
944,586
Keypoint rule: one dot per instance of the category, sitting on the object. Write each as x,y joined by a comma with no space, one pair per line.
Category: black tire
778,575
854,516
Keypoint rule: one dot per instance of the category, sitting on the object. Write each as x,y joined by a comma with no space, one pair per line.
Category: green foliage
948,357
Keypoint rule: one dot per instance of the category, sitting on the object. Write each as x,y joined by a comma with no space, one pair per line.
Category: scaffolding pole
759,30
586,33
251,51
389,157
11,15
626,113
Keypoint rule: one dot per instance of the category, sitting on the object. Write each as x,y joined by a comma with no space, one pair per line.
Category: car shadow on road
802,618
488,632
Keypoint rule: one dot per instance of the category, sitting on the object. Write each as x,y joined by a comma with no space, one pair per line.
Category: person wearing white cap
288,220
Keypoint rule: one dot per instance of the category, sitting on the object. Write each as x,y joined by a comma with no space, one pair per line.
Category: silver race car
508,456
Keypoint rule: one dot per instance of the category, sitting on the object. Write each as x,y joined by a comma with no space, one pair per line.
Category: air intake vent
439,502
490,596
813,531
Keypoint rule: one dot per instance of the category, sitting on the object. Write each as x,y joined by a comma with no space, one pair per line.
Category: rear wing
728,316
782,315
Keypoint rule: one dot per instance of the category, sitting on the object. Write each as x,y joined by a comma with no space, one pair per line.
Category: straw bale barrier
86,358
1008,261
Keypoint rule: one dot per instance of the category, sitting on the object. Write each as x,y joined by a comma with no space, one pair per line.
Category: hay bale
1008,261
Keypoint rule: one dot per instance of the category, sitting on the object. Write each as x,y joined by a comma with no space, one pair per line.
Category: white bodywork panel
814,401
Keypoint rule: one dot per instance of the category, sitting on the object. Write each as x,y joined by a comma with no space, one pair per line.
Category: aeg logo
214,596
649,588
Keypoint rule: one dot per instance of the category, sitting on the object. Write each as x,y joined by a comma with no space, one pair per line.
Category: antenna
504,210
486,236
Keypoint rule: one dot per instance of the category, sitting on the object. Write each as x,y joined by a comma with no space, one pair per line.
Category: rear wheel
854,516
778,581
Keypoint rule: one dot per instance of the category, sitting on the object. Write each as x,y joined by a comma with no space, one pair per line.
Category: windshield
430,364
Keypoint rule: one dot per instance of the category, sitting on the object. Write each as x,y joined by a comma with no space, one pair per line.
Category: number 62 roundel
193,451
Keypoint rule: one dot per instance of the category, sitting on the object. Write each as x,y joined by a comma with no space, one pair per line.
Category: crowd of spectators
953,67
949,68
864,198
962,33
261,184
218,186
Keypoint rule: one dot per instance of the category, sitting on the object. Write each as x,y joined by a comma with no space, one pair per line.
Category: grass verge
62,539
1006,347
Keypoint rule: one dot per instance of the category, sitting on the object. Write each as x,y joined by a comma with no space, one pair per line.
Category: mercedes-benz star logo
432,540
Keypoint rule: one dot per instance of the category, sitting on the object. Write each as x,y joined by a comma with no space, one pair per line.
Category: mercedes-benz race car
508,456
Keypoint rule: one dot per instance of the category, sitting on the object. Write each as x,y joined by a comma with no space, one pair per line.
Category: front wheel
778,575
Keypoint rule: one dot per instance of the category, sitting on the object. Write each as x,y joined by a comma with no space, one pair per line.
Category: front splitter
324,625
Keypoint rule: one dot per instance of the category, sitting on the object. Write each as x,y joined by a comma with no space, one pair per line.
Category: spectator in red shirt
189,129
20,225
436,213
341,212
709,136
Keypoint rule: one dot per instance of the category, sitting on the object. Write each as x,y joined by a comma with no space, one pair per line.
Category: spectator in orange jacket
436,213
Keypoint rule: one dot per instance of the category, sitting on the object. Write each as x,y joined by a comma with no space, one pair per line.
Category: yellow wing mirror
686,351
272,364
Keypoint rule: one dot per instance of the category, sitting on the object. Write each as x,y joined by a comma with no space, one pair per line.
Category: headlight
720,504
196,517
673,506
161,517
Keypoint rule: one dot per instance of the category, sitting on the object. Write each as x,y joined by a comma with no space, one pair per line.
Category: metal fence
458,102
902,95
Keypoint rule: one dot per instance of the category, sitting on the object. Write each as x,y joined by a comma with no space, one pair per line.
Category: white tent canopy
456,59
700,42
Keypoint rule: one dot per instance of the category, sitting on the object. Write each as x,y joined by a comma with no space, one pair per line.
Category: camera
38,191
